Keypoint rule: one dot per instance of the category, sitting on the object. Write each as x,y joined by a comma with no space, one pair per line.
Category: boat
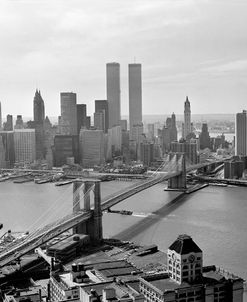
22,180
63,183
43,181
125,212
218,184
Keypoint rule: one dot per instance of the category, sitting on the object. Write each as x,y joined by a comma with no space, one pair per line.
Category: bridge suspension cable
40,233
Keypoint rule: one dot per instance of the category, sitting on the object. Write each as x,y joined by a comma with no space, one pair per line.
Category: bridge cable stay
58,222
162,166
60,208
45,229
35,227
50,210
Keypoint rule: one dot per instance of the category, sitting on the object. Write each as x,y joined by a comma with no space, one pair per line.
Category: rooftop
167,284
184,244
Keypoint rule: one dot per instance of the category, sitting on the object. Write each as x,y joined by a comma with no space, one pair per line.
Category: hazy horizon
194,47
152,118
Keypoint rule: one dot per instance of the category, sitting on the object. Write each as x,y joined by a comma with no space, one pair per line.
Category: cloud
65,44
228,67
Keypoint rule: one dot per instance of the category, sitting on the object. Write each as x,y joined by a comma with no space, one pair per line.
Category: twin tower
114,94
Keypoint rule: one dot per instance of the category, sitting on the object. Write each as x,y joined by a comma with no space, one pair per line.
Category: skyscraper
99,120
8,126
19,122
38,124
68,113
113,93
81,116
241,133
174,133
24,142
8,142
65,146
135,96
1,121
38,108
102,106
187,129
204,137
92,147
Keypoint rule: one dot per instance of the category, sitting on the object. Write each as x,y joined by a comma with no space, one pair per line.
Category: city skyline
182,47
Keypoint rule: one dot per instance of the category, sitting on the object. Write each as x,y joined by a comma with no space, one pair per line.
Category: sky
186,47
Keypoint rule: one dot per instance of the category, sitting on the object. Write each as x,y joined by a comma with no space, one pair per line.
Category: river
215,217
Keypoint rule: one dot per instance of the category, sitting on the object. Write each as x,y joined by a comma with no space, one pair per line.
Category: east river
216,217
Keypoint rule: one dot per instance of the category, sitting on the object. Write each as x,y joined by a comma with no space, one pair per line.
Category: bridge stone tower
92,227
178,182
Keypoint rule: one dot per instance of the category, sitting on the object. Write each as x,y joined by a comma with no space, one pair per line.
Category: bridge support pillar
94,225
80,228
86,192
179,182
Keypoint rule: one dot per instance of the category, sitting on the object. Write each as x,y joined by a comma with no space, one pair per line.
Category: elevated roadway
34,240
43,235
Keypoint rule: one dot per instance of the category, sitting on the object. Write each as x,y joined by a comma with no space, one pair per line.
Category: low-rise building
187,280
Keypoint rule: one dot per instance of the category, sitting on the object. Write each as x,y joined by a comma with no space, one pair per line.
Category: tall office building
174,132
187,127
65,146
204,137
2,154
114,141
81,116
102,106
169,133
147,153
19,122
99,120
150,132
113,93
9,149
92,147
38,108
8,126
88,122
1,121
135,96
38,124
241,133
68,113
123,124
24,142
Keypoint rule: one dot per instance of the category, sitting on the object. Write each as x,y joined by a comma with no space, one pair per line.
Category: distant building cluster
85,141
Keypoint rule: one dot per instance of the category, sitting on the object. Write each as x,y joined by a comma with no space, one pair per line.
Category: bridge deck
50,231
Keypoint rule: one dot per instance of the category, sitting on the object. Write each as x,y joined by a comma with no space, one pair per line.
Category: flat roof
67,242
167,284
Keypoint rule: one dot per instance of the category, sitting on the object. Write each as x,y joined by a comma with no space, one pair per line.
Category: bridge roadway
52,230
42,236
119,196
202,165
